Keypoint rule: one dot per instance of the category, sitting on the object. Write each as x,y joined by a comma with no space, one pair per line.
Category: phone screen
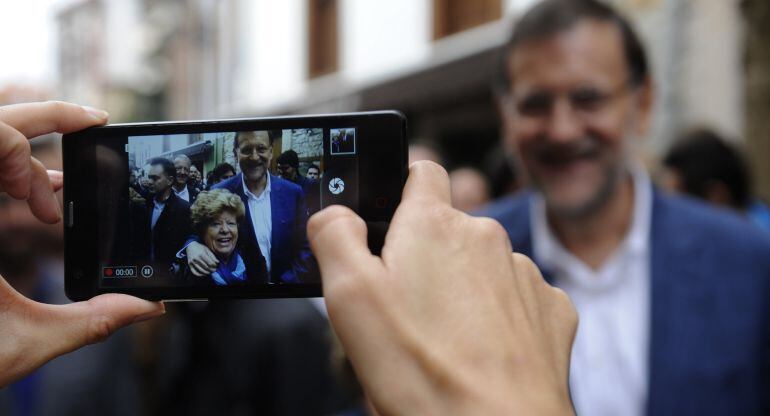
204,209
239,200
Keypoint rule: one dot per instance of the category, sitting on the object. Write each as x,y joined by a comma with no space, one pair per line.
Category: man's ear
645,96
503,105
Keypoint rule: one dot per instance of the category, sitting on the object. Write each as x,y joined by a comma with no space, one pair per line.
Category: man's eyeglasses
582,100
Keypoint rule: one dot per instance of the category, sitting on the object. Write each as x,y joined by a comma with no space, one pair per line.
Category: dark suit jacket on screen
291,260
170,231
709,351
312,191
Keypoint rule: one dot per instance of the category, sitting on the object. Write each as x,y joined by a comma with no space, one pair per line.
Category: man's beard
254,171
553,155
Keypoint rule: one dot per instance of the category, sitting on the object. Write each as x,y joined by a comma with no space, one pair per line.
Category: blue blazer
709,351
291,259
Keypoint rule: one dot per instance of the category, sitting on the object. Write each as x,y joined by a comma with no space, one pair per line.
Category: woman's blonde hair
212,203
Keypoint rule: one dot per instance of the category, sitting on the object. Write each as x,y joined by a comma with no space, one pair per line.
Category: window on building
452,16
322,37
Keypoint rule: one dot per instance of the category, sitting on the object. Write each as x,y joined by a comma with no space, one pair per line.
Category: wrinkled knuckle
524,263
99,328
491,230
432,219
564,302
526,266
56,106
17,156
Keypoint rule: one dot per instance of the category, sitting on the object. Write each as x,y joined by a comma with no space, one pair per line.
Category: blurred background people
288,168
221,172
704,165
470,189
196,179
313,172
184,186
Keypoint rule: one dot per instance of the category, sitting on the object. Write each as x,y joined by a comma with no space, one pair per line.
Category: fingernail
150,315
97,114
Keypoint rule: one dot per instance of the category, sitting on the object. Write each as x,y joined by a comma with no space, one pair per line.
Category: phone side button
70,214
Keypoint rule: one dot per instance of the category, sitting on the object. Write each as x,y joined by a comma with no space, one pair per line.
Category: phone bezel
385,151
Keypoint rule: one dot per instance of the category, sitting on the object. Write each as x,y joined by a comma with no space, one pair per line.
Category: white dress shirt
261,219
157,209
184,193
608,373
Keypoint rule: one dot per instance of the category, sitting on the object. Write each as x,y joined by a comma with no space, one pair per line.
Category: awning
195,151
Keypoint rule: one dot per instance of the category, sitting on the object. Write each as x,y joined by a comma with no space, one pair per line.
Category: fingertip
99,116
56,177
320,219
159,310
338,238
429,180
35,119
426,165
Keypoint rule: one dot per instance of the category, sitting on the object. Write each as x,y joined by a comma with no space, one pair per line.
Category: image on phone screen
228,208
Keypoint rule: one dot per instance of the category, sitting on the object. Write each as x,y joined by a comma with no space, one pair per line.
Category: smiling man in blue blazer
673,296
276,216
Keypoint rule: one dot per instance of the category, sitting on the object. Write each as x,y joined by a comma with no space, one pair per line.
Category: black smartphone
213,209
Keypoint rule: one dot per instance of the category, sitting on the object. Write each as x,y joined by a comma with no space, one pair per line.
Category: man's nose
564,124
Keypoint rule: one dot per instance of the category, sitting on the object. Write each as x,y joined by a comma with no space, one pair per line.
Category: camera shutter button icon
336,186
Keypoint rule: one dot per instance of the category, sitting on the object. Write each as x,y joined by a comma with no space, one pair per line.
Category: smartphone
218,209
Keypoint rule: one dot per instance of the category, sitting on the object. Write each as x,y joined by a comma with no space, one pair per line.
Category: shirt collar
548,250
265,192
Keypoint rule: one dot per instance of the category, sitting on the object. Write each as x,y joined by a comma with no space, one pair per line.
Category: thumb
338,239
69,327
34,333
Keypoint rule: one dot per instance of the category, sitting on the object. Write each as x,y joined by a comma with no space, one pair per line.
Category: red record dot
108,272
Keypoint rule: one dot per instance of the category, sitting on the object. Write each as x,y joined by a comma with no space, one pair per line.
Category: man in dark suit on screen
167,215
276,216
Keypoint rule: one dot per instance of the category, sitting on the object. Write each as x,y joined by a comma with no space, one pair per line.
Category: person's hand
33,333
135,197
447,320
201,260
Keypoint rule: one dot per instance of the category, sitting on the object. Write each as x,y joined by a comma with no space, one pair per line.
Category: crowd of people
463,314
244,228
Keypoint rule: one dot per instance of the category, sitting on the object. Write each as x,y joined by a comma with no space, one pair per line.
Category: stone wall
308,143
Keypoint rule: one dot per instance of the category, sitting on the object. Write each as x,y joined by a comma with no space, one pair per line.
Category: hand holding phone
34,333
447,320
